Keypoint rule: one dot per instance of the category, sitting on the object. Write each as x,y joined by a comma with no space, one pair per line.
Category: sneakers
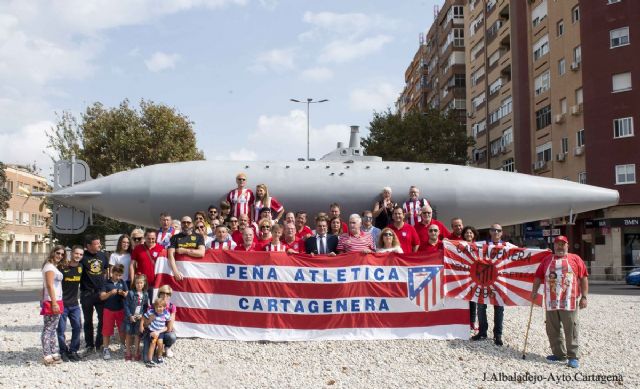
138,357
498,341
65,357
150,364
159,360
127,357
51,360
478,337
89,350
573,363
553,358
74,357
106,354
168,353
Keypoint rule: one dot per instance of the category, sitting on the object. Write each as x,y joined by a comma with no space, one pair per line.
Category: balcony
559,118
561,157
540,166
576,109
578,151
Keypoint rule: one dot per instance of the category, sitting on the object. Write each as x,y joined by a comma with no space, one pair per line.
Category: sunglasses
387,234
265,227
233,221
495,230
137,239
367,218
241,179
200,227
426,213
434,230
59,253
213,211
184,222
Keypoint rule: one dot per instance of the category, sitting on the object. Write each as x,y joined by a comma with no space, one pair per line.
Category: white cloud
242,154
160,61
349,24
317,74
346,50
278,60
378,98
27,146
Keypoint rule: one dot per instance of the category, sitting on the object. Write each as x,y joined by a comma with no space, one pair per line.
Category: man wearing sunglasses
426,221
187,242
241,199
201,229
143,258
433,244
368,227
166,230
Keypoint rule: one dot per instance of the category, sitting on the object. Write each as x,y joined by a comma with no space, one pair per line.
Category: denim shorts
132,328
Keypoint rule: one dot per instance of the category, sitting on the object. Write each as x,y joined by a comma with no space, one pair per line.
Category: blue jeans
74,314
168,339
498,317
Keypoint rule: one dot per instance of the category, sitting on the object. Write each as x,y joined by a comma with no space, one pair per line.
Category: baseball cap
561,238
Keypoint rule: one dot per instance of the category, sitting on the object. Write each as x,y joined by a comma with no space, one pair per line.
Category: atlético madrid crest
425,286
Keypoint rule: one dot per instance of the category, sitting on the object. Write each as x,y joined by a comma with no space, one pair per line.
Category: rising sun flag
491,274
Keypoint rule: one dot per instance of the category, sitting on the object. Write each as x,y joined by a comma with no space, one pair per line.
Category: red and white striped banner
491,274
280,297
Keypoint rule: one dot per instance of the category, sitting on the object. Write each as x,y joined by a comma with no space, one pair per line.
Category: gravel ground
609,344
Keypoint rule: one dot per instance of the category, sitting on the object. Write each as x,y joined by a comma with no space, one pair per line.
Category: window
458,104
613,1
543,117
542,83
458,37
621,82
8,185
582,178
475,51
476,76
563,105
577,54
541,47
580,138
496,147
494,57
562,67
560,28
478,100
564,145
478,128
579,96
495,86
543,153
24,218
575,14
502,111
475,25
619,37
622,127
539,13
9,216
508,165
507,137
626,174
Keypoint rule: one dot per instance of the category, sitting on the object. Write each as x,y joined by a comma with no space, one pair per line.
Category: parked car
633,278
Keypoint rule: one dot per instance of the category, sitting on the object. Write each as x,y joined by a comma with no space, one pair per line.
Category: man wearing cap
565,289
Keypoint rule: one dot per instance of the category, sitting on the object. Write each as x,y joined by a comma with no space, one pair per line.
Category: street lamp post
309,101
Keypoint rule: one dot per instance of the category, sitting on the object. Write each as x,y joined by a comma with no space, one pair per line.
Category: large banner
491,274
281,297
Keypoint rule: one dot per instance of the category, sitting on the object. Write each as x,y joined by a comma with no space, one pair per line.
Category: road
8,296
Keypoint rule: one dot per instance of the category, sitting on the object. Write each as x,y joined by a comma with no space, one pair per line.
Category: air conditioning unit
561,157
559,118
38,237
575,66
539,165
576,109
504,149
579,150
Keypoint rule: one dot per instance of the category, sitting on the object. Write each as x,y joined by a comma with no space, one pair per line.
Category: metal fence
21,261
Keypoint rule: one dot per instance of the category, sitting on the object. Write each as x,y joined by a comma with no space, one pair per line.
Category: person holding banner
434,244
322,242
407,235
388,242
355,240
248,242
565,280
469,234
187,242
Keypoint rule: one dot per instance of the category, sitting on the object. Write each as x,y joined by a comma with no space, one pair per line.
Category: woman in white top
51,305
122,255
388,242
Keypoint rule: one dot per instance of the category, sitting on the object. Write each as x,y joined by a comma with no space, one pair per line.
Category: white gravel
610,345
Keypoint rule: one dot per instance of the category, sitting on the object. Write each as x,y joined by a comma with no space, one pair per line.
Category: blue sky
230,65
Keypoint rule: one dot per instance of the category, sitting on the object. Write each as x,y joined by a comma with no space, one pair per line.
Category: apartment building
436,76
25,225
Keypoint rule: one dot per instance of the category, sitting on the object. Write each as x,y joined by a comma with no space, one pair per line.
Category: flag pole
526,336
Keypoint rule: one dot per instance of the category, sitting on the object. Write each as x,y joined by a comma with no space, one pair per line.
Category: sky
231,66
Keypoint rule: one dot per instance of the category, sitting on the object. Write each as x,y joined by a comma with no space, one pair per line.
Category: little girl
156,318
136,303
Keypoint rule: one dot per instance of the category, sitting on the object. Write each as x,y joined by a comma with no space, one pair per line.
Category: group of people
245,221
87,282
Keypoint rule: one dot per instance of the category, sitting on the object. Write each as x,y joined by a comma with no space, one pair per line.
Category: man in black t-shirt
71,280
94,269
187,243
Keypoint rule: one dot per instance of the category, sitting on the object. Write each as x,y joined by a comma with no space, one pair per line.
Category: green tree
5,196
432,136
111,140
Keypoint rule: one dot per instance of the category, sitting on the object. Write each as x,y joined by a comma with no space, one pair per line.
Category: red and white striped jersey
226,245
241,202
412,209
273,204
279,247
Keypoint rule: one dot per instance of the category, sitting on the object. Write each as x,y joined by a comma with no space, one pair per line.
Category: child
136,303
114,291
156,318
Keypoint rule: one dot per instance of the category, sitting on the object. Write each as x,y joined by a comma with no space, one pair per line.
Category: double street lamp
309,101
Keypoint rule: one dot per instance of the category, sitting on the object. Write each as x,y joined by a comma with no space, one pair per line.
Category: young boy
114,291
156,318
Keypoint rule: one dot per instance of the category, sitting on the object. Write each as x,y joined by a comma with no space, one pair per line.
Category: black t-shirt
70,283
384,218
115,302
93,267
185,241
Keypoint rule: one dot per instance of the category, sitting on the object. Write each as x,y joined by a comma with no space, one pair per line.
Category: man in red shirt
334,211
143,258
243,222
241,199
409,240
302,230
565,279
433,244
294,245
426,221
248,243
456,229
355,240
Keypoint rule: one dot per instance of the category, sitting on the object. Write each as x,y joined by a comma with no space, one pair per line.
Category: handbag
45,308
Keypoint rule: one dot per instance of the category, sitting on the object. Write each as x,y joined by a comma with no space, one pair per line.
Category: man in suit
321,243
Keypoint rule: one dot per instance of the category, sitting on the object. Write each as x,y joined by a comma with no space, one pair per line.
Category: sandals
54,359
